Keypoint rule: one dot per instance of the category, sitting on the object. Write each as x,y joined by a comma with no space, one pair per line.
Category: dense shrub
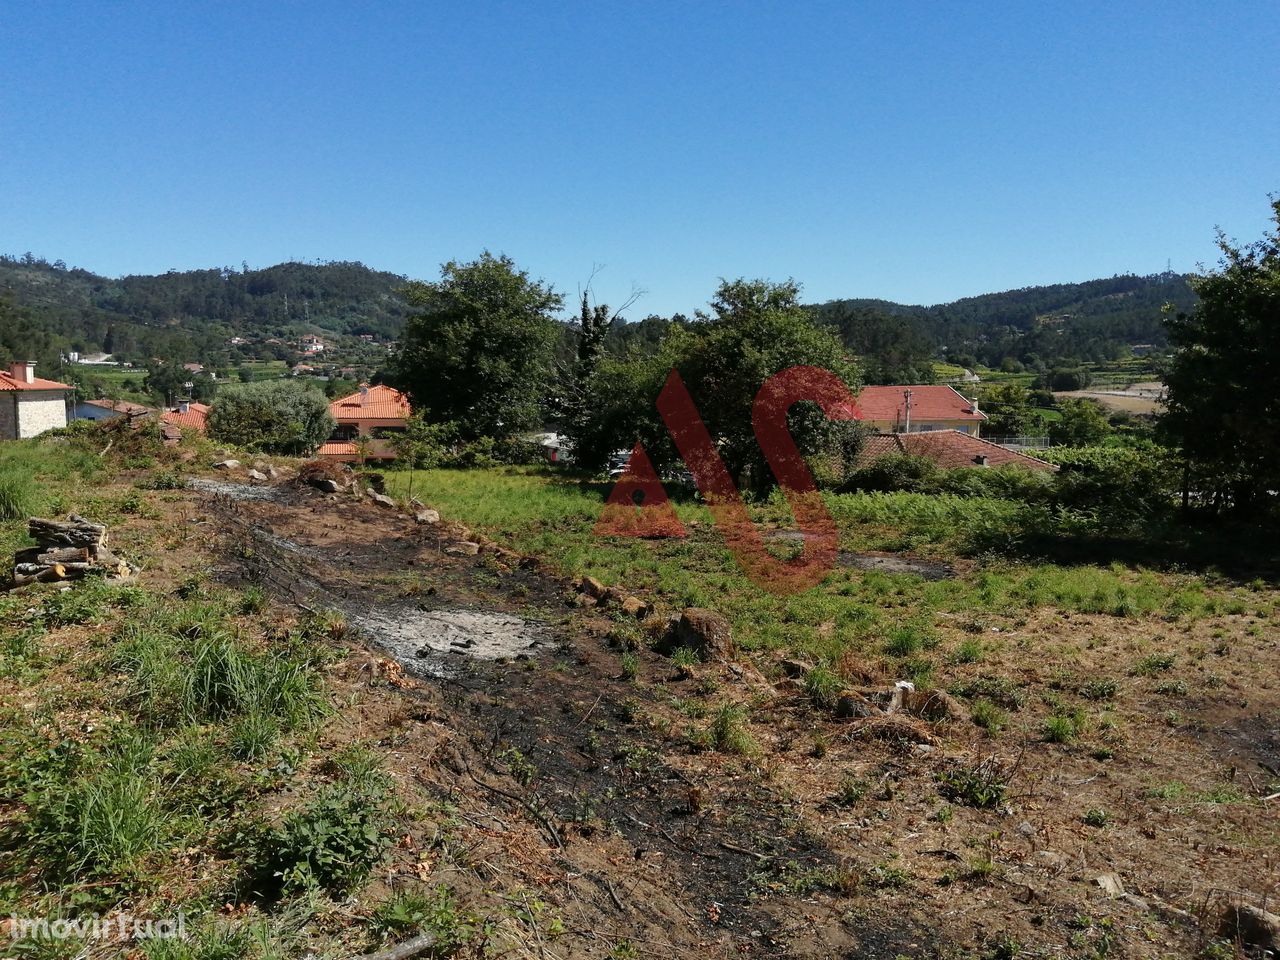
272,416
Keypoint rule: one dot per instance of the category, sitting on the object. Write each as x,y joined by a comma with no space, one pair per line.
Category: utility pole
906,394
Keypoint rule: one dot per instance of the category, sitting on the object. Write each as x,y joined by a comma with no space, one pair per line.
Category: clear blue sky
913,151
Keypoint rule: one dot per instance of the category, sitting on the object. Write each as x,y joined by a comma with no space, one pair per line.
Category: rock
583,600
463,548
613,595
852,706
530,563
227,465
1110,884
1251,927
591,587
325,485
382,500
274,473
932,705
427,516
702,631
795,669
635,607
258,476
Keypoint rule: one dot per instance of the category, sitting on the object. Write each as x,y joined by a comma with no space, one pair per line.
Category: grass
537,510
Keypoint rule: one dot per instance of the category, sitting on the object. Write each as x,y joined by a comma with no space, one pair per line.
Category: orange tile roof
335,448
380,403
928,402
7,382
948,449
195,417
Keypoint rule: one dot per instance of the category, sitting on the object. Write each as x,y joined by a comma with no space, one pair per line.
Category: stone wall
8,416
40,410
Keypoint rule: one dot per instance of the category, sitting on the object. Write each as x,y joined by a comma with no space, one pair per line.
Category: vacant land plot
246,734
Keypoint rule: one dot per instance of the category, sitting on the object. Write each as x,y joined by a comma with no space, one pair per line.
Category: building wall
964,426
8,416
40,412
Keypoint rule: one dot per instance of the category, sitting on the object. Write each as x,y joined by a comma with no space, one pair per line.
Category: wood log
31,569
74,532
47,575
49,555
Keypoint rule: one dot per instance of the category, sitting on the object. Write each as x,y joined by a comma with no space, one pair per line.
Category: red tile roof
928,402
948,449
7,382
194,418
335,448
380,403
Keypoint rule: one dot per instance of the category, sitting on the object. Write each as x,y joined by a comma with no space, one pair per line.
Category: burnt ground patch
697,850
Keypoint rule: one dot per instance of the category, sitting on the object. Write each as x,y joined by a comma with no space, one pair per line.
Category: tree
274,416
479,352
1223,406
756,329
1008,409
1082,424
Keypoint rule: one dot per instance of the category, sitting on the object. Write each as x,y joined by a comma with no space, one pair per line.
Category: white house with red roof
372,415
29,405
914,408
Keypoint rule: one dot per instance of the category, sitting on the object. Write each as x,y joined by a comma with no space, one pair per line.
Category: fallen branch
402,951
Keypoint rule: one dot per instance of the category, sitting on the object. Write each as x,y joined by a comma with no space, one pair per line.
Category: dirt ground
546,779
1139,398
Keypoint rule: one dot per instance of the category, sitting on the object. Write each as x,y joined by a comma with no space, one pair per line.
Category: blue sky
913,151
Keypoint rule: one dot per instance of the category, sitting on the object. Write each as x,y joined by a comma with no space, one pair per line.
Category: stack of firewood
66,550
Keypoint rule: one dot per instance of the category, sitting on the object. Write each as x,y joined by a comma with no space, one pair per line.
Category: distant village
933,421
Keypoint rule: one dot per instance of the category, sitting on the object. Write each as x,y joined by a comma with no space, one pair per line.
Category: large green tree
755,329
274,416
1082,424
1223,407
479,352
1008,409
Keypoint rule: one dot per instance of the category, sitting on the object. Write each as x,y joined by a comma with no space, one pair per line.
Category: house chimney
364,394
23,371
980,460
973,406
184,406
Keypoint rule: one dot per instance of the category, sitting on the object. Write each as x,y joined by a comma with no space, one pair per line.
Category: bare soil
572,786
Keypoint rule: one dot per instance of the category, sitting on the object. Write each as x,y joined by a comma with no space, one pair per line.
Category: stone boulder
591,587
703,631
227,465
463,548
257,476
635,607
382,500
426,515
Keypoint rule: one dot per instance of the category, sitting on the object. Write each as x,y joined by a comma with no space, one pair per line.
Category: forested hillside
190,315
1037,326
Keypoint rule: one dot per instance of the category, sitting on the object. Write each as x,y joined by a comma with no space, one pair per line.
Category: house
312,344
556,447
28,405
912,408
948,449
187,415
108,410
371,414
